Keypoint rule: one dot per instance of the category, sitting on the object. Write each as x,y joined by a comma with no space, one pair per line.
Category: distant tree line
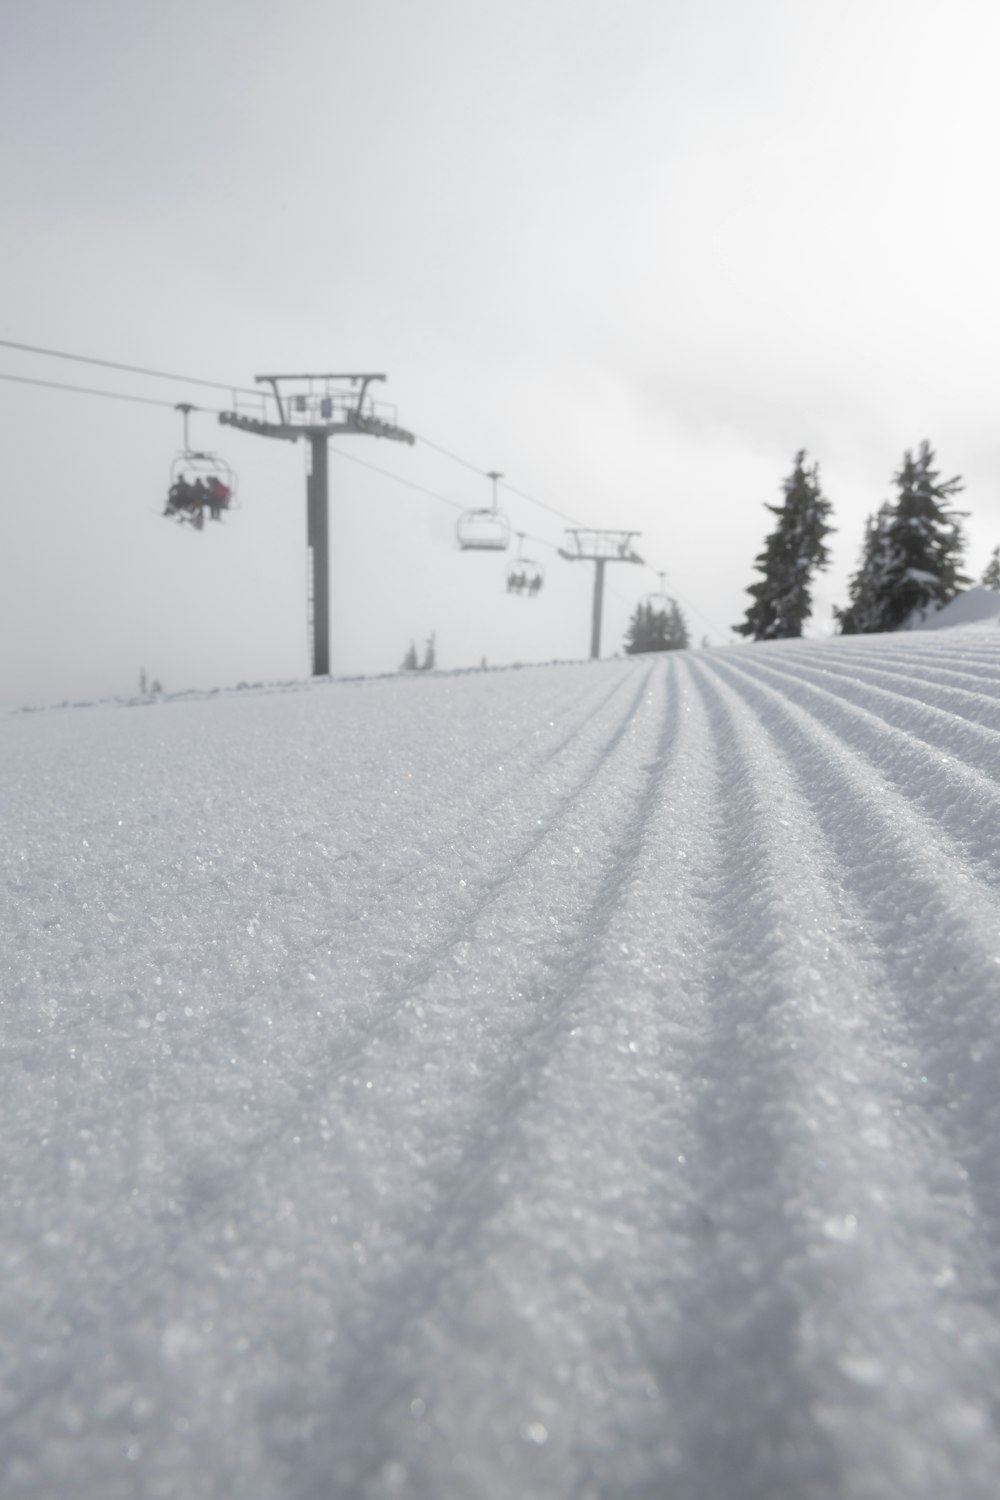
656,629
911,558
413,663
910,562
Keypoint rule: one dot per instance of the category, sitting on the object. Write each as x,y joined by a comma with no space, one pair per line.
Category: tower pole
318,538
600,548
322,407
595,627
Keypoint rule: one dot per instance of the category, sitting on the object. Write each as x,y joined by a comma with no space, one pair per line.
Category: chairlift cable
388,474
113,364
432,494
448,454
610,588
88,390
553,510
235,389
246,390
521,494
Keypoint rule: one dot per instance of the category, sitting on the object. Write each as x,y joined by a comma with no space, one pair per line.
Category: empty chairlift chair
485,530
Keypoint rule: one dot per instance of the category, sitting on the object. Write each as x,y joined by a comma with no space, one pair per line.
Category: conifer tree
991,577
782,600
677,628
410,663
862,615
652,629
646,630
430,654
923,543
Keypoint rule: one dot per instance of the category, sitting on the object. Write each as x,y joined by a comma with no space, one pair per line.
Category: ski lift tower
318,407
600,548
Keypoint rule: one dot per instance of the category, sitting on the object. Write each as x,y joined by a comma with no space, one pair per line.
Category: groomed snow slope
574,1082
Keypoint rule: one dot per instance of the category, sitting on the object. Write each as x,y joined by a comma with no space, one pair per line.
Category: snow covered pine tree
991,577
647,630
916,555
862,616
782,601
677,631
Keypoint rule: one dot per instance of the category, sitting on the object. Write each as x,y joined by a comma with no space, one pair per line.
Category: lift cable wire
453,456
523,495
89,390
502,483
564,516
423,490
407,483
113,364
680,600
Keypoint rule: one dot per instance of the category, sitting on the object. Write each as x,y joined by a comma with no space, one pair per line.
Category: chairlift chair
482,531
192,465
524,576
486,529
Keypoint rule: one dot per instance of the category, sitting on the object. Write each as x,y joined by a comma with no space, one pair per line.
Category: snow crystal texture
574,1082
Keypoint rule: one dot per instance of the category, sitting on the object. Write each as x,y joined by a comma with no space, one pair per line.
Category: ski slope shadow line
955,1034
733,1425
380,896
304,957
508,752
508,786
392,1000
90,1338
287,1120
602,700
468,1196
920,769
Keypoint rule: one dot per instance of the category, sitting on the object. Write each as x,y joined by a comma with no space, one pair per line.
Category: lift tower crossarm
330,404
272,380
259,428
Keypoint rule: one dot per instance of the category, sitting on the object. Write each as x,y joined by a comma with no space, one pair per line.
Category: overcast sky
633,255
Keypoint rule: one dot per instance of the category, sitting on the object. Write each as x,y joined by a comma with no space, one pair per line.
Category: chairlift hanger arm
272,381
185,408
